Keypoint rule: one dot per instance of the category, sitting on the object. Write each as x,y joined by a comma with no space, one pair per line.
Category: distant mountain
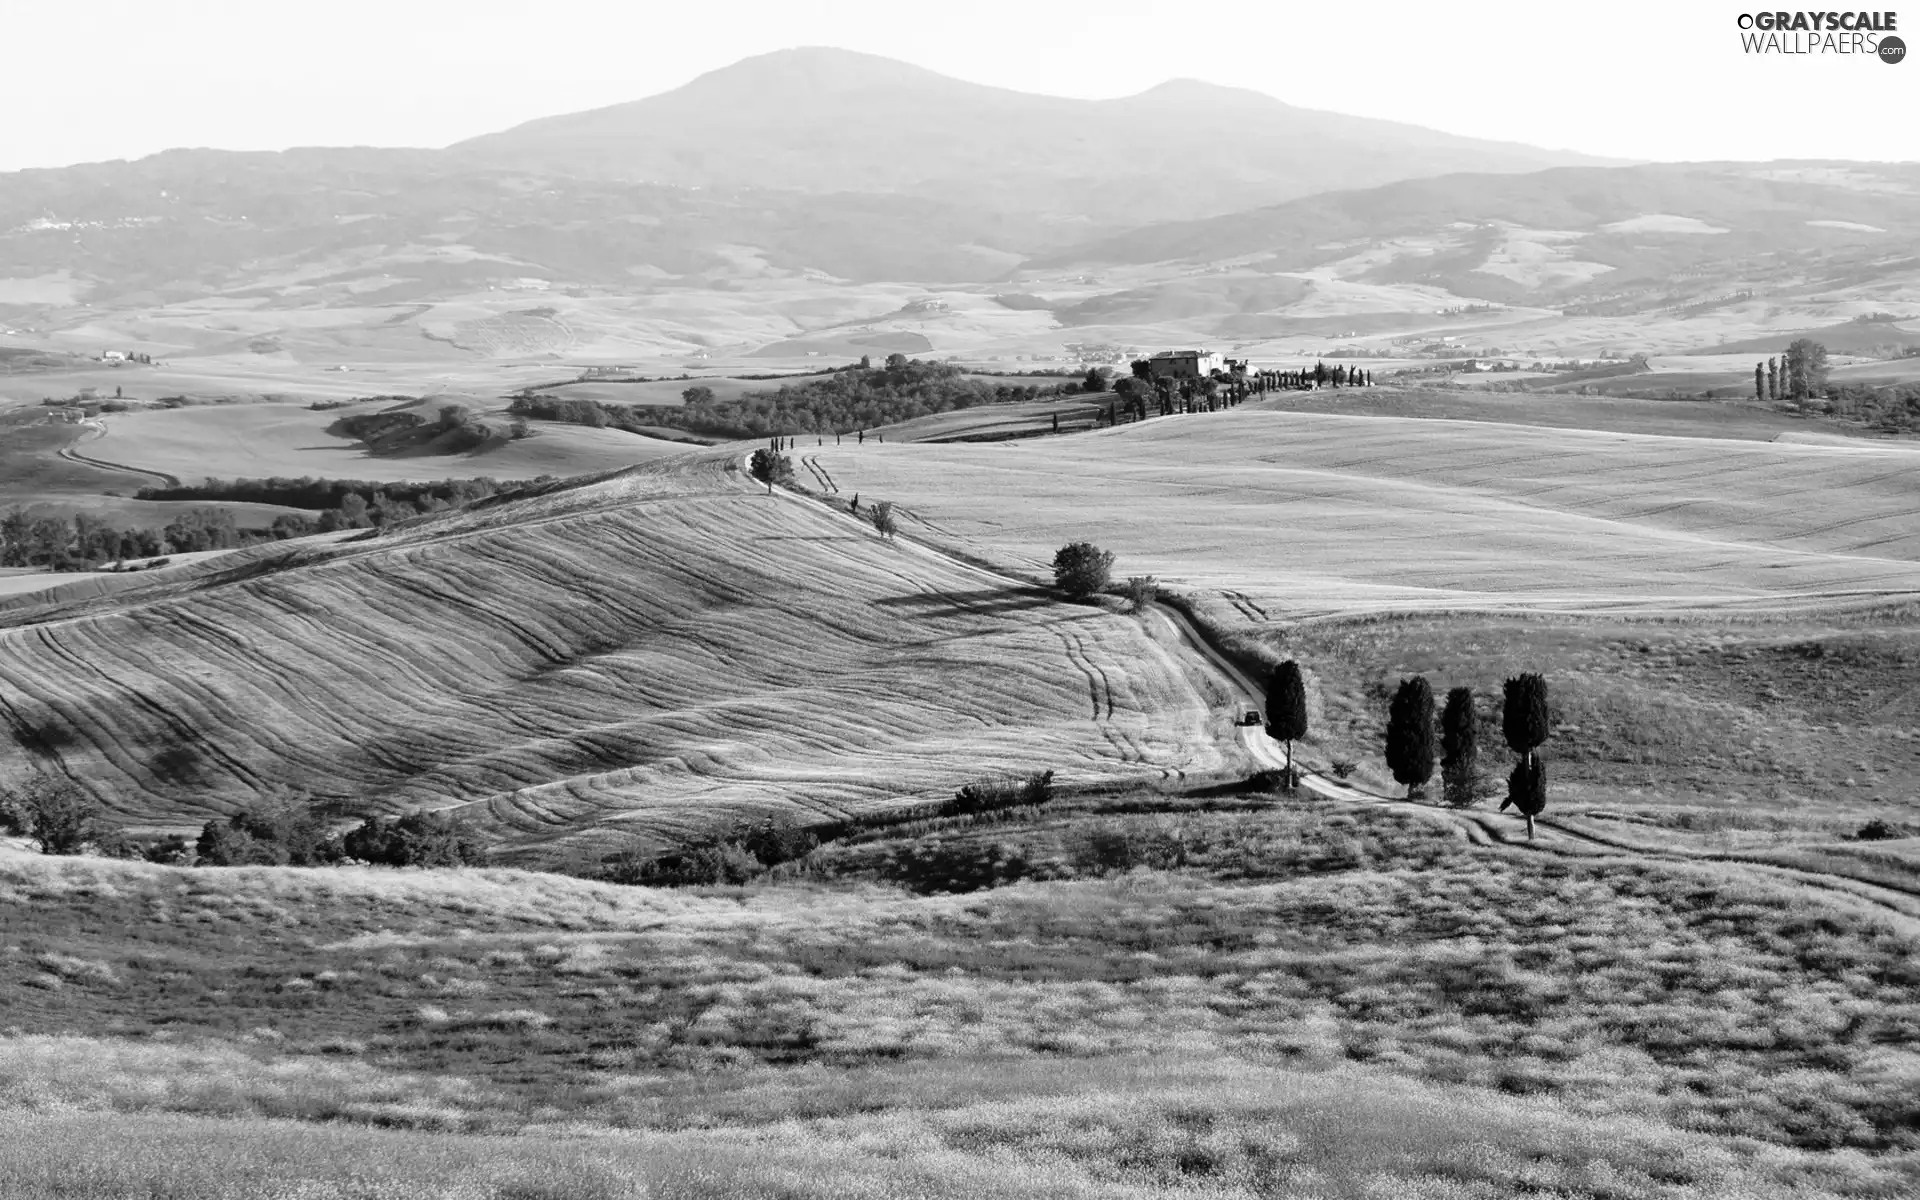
1607,241
372,226
822,161
1783,202
826,120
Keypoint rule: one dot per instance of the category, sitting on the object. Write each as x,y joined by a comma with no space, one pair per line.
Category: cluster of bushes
990,795
756,850
1893,409
858,397
286,829
290,832
454,428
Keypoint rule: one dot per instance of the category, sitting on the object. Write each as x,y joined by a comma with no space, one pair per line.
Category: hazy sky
84,80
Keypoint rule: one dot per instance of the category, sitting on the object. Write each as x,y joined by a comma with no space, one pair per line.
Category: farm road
93,431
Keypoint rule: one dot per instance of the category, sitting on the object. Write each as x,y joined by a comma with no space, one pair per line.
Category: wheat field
1295,515
652,653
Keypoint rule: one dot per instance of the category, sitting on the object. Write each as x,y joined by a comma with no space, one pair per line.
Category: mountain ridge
821,119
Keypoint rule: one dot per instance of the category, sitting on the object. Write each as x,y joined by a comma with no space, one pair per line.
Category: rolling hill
1289,516
639,658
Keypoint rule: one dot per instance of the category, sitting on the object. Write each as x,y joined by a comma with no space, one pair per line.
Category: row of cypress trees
1524,723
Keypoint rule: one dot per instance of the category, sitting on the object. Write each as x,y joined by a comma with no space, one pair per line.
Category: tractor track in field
1480,829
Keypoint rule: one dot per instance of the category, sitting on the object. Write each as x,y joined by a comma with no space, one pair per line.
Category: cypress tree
1773,379
1410,733
1527,790
1525,723
1287,708
1759,382
1458,753
1523,719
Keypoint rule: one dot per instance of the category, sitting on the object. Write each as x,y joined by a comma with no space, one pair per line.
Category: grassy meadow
1172,991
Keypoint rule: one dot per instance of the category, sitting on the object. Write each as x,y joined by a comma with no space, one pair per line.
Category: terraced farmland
1299,514
652,653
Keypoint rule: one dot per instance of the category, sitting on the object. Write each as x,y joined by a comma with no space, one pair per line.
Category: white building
1185,364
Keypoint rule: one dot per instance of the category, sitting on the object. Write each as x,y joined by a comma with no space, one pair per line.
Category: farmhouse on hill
1185,364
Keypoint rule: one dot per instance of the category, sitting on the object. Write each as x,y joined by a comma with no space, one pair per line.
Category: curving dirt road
94,430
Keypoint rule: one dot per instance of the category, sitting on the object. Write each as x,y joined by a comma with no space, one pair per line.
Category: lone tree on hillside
770,468
697,395
1458,752
1410,733
59,815
1080,569
1527,790
883,520
1287,708
1141,589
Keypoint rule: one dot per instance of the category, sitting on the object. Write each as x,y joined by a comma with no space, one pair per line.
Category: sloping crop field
257,440
1301,514
657,653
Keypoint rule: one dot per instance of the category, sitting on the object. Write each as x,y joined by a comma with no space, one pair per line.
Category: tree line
1167,396
1799,375
86,541
313,493
844,401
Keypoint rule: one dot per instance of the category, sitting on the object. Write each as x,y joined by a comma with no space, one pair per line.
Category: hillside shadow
988,601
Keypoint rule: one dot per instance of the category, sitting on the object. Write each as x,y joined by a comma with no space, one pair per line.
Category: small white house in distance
1185,364
113,356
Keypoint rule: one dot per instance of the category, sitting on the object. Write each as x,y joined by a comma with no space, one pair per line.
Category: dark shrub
59,815
1878,830
225,844
421,839
1080,569
174,851
987,795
